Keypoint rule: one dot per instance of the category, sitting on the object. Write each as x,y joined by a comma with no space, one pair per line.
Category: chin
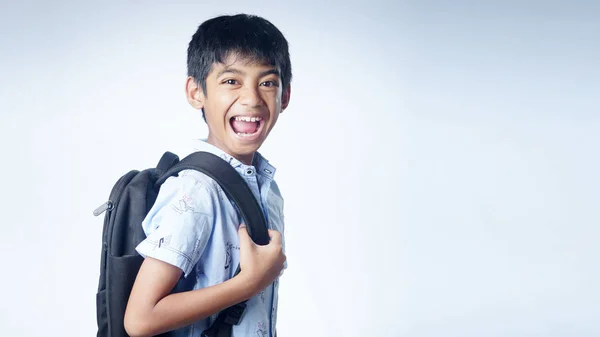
245,148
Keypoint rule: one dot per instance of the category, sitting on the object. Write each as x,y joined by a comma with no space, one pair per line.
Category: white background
439,159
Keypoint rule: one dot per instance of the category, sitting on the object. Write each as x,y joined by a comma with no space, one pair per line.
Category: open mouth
245,126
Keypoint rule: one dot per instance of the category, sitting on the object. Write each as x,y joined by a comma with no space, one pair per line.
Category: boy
239,75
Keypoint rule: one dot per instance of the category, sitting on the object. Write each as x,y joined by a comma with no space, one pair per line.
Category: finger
275,236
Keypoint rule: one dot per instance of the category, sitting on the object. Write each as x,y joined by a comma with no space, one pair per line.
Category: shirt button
249,172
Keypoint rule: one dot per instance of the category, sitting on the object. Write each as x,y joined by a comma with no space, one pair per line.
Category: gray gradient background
439,159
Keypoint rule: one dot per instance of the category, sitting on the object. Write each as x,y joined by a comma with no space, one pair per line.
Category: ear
194,93
285,97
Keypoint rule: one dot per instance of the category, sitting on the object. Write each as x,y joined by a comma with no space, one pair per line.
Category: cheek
226,97
273,100
221,101
274,117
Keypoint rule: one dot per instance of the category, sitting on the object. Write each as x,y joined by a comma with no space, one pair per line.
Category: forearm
181,309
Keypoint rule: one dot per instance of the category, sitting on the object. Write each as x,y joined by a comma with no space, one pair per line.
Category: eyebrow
229,70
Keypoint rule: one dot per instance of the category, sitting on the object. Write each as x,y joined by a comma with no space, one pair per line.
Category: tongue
244,127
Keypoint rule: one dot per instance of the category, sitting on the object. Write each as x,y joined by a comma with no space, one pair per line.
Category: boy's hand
261,265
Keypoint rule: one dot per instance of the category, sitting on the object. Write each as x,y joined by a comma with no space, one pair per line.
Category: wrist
249,283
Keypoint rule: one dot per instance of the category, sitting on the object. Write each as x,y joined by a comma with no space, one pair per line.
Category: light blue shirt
194,226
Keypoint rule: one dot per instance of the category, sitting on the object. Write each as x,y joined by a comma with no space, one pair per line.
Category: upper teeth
247,119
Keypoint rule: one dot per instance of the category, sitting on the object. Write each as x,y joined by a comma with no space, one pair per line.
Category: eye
232,82
270,84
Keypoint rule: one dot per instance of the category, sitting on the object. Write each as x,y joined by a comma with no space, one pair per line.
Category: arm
152,310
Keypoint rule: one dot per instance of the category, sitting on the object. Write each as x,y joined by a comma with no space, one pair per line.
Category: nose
250,97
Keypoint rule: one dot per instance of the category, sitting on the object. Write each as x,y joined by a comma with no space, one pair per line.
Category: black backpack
130,200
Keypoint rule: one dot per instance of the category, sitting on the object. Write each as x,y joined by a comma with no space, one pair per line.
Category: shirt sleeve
179,224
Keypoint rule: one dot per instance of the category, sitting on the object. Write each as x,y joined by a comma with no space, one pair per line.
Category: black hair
251,37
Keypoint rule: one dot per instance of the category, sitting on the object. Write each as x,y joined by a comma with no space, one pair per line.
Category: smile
246,127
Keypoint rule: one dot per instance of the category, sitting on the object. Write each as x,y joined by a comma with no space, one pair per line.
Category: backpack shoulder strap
237,190
234,186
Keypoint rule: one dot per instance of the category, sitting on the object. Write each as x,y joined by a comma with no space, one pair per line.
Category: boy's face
242,103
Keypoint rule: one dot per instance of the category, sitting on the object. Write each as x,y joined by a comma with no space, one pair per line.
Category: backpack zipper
107,206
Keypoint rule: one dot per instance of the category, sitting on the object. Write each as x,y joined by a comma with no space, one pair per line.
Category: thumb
243,234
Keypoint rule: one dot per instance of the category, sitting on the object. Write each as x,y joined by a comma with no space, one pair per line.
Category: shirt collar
259,162
262,166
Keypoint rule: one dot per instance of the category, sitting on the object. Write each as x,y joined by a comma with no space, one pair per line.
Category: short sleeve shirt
194,226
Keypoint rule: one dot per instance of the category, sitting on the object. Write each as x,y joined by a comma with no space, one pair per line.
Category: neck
245,159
